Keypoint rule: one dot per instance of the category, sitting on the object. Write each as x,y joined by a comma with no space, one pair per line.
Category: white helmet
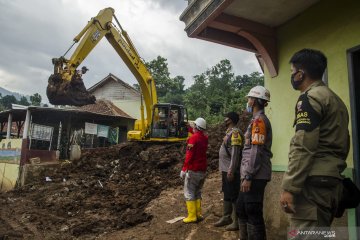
259,92
201,123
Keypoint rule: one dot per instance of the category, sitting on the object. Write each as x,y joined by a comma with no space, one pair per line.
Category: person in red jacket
194,170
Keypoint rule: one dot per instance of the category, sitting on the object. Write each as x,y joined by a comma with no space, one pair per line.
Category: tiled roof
104,107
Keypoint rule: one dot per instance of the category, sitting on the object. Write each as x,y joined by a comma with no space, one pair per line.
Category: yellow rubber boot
191,207
198,210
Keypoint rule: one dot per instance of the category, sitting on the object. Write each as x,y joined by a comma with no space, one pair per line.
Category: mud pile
62,92
106,190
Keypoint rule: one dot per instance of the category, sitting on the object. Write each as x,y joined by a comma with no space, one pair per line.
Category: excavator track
62,92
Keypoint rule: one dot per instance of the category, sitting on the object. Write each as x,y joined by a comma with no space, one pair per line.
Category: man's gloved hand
182,174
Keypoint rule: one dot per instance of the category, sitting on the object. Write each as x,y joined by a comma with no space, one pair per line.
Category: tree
2,108
246,83
24,101
214,92
218,90
7,100
175,94
178,85
160,72
35,99
195,99
220,87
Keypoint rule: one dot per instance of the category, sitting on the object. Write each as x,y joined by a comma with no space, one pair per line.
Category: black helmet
233,116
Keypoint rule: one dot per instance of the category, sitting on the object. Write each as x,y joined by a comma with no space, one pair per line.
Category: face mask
296,84
249,109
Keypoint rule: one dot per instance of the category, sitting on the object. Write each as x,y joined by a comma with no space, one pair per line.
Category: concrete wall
32,173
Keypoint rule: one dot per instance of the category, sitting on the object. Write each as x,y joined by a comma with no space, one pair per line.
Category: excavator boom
66,87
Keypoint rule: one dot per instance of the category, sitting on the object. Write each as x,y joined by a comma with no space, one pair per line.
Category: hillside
5,92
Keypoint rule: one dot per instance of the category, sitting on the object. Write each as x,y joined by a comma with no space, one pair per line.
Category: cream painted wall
131,107
8,176
331,26
9,164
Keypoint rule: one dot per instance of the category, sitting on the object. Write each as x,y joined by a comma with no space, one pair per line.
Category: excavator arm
65,86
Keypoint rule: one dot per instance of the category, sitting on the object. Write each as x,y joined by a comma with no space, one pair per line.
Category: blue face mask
249,109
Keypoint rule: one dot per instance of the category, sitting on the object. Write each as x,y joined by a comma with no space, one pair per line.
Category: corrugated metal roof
101,107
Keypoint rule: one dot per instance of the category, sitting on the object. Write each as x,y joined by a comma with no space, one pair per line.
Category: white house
121,94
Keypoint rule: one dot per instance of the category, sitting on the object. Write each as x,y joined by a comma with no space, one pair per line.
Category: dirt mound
62,92
106,190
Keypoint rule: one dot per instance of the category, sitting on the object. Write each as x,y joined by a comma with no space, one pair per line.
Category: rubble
105,190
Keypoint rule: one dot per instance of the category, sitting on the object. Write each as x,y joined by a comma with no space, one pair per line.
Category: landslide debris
105,190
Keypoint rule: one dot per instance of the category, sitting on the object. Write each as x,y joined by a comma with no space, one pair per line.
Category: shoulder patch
306,118
236,139
258,132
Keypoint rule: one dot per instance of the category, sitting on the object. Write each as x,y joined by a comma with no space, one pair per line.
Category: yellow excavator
164,122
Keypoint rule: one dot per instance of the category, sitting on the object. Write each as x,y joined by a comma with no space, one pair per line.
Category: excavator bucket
62,92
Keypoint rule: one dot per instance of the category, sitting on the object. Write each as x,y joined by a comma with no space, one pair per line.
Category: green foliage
195,100
213,93
218,91
1,106
35,99
244,83
160,72
7,100
176,93
169,90
24,101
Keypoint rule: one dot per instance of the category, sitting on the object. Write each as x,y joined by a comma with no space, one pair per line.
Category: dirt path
170,204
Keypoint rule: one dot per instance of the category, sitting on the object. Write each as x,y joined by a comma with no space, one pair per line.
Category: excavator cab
169,122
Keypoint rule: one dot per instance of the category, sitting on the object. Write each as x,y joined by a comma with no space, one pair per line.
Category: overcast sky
35,31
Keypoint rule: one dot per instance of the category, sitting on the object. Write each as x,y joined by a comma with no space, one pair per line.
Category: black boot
256,232
226,218
234,226
243,230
